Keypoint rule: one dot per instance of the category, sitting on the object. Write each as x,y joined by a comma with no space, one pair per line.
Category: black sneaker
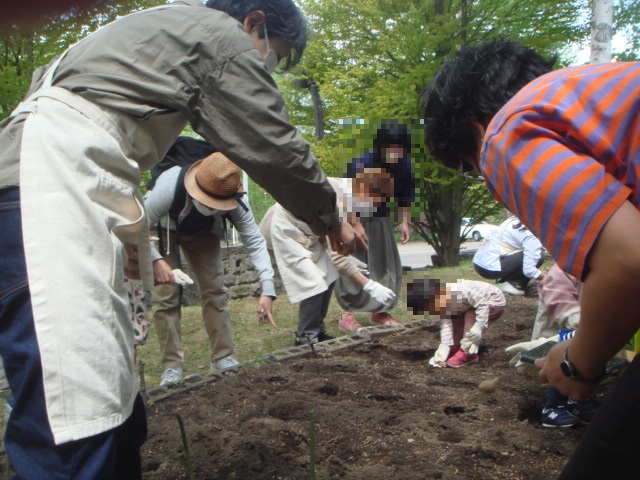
558,417
300,341
324,336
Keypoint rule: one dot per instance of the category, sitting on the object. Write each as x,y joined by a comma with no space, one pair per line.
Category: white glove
475,333
526,346
469,346
182,278
522,347
440,357
518,348
379,293
363,267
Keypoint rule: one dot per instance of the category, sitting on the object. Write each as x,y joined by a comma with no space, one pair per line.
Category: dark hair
474,86
390,133
421,294
283,19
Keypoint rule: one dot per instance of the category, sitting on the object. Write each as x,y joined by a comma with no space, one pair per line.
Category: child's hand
440,358
469,346
475,333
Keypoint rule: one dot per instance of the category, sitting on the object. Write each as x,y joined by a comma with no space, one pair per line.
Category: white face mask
393,156
271,60
207,212
363,208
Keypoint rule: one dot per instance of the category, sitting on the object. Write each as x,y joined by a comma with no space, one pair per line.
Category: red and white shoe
461,359
453,349
348,323
383,318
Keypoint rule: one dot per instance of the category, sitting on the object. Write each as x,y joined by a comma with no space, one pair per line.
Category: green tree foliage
372,60
25,47
626,20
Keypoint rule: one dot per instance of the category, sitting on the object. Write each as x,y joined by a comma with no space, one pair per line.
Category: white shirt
467,294
506,240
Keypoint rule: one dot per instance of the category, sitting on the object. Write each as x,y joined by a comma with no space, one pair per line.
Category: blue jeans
28,439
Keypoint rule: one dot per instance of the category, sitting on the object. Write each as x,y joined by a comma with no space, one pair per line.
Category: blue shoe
558,417
584,410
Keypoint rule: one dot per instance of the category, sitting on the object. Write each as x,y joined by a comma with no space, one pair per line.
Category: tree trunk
447,245
601,31
317,109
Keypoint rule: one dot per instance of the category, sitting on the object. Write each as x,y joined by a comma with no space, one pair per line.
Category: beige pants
202,252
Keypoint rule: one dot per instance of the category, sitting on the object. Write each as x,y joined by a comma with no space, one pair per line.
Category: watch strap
571,372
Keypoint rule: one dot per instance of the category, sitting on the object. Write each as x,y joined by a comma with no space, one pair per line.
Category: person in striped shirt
561,150
467,308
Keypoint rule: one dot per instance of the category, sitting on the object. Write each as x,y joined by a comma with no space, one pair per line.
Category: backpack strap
180,197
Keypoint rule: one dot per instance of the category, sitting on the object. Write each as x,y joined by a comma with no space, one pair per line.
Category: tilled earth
380,412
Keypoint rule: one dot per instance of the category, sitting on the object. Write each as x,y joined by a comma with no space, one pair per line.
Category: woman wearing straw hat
207,192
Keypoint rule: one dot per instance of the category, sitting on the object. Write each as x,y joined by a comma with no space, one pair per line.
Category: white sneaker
171,376
509,288
226,363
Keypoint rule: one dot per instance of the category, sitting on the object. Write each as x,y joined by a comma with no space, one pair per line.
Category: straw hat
215,182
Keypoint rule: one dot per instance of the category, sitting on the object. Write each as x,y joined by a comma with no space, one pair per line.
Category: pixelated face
393,153
440,302
372,187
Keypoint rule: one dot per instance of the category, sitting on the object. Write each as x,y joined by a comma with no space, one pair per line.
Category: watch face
566,368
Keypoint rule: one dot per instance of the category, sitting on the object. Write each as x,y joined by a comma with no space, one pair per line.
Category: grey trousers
311,314
384,265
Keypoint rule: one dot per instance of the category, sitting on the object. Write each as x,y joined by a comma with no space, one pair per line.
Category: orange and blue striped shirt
564,154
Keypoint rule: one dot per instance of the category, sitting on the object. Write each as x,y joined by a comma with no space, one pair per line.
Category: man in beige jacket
70,160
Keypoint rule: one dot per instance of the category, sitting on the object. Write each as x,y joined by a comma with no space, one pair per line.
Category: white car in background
476,231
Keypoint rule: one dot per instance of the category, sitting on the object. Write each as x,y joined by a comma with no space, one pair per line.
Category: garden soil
380,412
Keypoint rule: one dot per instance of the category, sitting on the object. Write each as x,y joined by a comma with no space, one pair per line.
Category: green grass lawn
252,341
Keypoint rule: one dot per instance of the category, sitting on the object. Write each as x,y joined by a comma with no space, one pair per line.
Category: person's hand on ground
439,359
475,333
526,346
265,310
162,272
469,346
380,293
519,348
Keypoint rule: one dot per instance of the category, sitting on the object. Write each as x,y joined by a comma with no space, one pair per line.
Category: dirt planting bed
380,413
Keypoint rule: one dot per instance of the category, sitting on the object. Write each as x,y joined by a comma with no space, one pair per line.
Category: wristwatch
570,371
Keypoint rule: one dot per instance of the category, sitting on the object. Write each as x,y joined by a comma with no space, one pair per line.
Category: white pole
601,31
245,183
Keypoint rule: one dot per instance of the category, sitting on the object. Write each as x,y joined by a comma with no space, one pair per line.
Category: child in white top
467,308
